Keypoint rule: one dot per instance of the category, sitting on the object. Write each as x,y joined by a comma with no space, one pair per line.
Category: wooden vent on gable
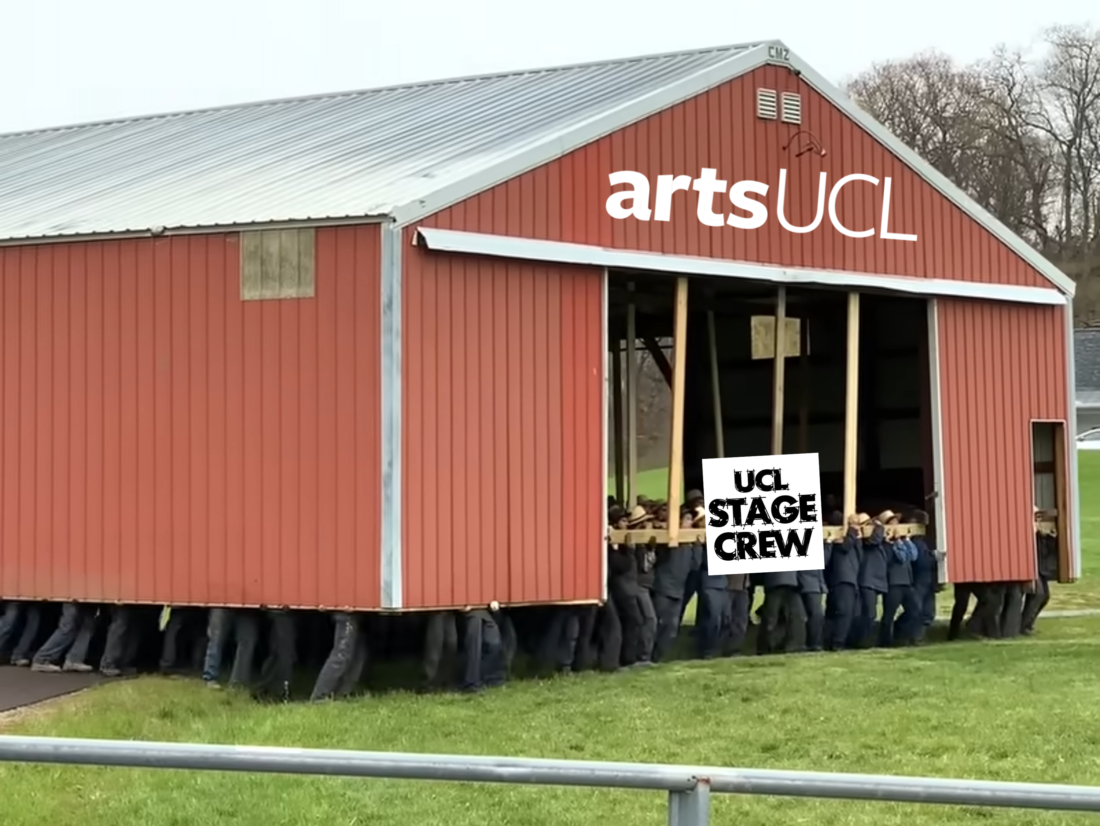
792,107
767,105
278,263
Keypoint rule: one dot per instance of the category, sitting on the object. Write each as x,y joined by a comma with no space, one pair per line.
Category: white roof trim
574,138
530,249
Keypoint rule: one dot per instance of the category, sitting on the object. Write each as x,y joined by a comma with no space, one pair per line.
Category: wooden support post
676,448
851,406
617,416
716,389
804,385
659,358
1061,502
631,403
779,374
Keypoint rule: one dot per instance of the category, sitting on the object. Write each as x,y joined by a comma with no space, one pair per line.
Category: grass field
1021,710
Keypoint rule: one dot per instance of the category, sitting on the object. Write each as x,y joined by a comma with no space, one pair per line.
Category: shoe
22,662
211,684
77,668
45,668
110,672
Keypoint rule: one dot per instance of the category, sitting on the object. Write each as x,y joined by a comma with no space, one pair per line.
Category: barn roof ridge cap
738,64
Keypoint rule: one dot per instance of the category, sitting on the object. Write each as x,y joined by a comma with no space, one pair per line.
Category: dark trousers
782,621
183,626
587,643
440,662
610,631
648,637
242,627
736,624
1012,610
894,629
708,621
815,621
13,621
278,669
557,648
963,592
986,619
628,602
669,614
71,639
122,640
345,663
484,652
840,612
1034,605
868,611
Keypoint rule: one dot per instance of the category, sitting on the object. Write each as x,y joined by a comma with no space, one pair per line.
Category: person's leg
32,625
218,627
49,656
118,636
9,624
815,622
345,638
649,626
472,653
246,636
668,625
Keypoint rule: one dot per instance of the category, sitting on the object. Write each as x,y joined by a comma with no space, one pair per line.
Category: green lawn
1015,710
1022,710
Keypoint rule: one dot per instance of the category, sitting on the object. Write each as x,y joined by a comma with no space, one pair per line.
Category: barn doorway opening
729,330
1049,488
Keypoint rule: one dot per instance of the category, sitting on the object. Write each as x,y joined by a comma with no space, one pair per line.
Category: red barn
351,350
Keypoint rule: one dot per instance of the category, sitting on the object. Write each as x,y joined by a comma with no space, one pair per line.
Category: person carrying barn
873,582
242,628
123,638
712,611
345,663
67,647
693,502
901,554
625,591
670,575
646,557
609,628
738,606
842,580
925,578
1046,553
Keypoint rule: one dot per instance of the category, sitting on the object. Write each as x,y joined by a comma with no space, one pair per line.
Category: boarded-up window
763,337
277,263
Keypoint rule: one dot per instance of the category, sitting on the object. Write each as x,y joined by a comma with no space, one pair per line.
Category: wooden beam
716,389
804,386
676,448
1061,481
617,418
631,404
662,536
780,370
851,406
659,358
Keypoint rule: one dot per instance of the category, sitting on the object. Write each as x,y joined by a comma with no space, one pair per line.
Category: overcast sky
70,61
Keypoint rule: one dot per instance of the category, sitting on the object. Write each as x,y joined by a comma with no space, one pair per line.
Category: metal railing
689,787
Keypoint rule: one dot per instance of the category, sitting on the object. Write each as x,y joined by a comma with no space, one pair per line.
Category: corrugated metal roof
331,156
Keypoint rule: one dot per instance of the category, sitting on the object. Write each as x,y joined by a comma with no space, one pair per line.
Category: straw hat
638,516
700,518
862,518
888,516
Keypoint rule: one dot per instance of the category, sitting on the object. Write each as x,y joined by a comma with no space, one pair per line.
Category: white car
1089,440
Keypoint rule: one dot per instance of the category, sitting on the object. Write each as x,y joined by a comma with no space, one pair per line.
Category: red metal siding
502,411
564,200
165,442
1001,366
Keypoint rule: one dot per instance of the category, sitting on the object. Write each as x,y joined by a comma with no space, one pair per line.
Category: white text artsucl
640,202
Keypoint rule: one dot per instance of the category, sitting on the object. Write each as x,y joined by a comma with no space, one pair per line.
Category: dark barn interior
894,420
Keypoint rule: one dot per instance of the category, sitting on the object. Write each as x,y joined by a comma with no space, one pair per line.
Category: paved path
22,687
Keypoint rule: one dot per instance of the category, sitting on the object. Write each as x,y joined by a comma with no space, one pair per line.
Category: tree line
1018,131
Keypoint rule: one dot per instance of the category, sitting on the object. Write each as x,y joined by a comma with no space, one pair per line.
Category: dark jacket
622,570
876,559
902,554
780,579
1047,550
671,571
925,566
646,558
845,561
813,582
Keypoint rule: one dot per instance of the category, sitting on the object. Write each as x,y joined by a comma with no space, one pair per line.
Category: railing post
690,808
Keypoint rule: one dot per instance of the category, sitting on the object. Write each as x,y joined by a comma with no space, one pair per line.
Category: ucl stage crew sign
763,514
